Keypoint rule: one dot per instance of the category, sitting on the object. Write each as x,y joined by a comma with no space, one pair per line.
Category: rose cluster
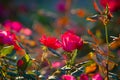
17,27
69,42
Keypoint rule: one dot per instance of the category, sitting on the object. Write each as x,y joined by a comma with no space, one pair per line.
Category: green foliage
78,71
6,50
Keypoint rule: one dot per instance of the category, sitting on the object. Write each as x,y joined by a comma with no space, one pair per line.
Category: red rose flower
51,42
114,5
70,41
68,77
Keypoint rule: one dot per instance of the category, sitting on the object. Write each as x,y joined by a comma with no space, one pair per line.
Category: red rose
51,42
114,5
70,41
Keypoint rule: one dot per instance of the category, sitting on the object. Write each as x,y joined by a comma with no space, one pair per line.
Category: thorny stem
106,35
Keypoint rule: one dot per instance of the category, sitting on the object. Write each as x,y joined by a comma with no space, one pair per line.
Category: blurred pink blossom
27,31
61,7
97,76
12,25
68,77
57,64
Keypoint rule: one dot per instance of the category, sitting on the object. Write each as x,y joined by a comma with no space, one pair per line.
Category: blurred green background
46,12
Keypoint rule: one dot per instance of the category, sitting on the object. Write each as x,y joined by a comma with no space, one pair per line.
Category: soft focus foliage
59,40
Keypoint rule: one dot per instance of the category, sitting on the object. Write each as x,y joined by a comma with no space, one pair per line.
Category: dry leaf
90,68
116,43
96,7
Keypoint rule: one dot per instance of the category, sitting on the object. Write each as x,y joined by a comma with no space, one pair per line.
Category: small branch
106,35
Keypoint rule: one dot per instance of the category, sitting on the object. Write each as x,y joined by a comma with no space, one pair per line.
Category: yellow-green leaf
6,50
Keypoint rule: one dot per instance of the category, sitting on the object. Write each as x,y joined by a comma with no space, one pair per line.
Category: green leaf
36,72
54,52
6,50
113,76
3,74
13,74
12,53
107,10
29,76
78,71
88,63
26,58
1,46
10,59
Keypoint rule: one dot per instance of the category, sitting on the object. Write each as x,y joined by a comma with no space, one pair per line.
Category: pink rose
70,41
68,77
13,25
97,76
